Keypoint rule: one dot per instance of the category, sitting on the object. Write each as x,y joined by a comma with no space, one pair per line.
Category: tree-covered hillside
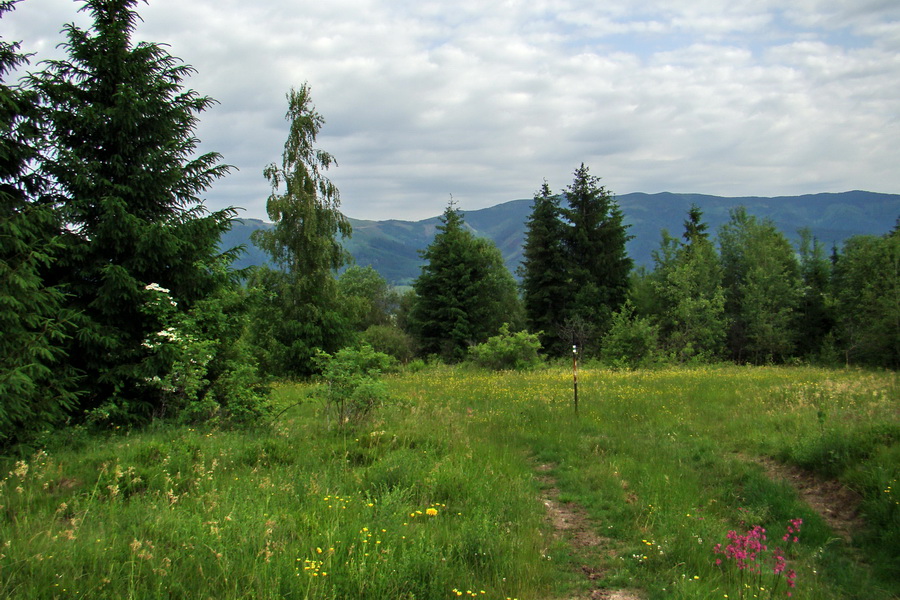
391,246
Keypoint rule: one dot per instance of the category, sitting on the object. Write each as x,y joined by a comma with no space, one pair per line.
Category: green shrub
631,341
416,365
352,381
390,340
507,351
196,364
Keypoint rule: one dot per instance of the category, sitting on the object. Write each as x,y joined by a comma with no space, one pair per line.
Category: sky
481,101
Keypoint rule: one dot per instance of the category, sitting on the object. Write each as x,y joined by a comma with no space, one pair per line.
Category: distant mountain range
391,247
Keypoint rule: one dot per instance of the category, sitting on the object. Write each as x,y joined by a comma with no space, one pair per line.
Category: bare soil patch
834,502
572,523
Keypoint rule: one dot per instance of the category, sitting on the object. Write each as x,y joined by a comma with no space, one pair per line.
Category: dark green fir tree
815,314
36,385
465,292
595,239
546,284
690,294
128,183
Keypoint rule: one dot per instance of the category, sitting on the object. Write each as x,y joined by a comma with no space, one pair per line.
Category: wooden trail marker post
575,374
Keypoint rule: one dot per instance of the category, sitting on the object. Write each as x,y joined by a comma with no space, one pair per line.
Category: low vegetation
436,493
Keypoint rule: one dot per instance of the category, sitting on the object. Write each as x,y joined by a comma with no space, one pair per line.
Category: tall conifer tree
694,227
36,386
545,280
465,292
596,244
128,186
815,315
690,293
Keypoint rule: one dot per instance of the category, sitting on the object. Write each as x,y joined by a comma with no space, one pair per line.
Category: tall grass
435,496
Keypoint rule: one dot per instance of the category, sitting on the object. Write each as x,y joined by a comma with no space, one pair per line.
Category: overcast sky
484,100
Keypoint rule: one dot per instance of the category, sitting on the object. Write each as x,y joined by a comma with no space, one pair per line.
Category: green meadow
440,493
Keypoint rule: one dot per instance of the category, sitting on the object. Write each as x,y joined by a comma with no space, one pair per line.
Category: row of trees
117,306
746,295
749,296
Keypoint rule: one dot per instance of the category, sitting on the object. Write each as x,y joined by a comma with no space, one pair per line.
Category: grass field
439,494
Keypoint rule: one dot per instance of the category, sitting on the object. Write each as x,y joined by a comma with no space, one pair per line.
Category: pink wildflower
793,529
780,562
748,552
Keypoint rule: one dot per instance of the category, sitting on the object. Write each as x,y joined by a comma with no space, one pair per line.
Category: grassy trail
437,496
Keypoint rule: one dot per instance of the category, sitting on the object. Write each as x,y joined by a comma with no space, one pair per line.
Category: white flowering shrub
193,362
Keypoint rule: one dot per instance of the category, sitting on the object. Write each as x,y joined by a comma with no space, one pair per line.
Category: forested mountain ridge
391,246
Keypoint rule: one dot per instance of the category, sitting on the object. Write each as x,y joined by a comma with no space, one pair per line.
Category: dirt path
836,504
571,523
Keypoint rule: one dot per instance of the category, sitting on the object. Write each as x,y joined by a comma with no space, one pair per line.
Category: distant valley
391,246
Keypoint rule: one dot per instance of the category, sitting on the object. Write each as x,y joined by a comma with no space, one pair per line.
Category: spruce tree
128,187
684,294
545,280
464,294
694,227
36,385
595,240
691,293
815,315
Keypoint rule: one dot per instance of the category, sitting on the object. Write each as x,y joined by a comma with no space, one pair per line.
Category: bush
631,341
507,351
195,366
352,381
416,365
390,340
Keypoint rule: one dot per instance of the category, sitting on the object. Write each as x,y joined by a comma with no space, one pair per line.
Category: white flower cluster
155,287
168,332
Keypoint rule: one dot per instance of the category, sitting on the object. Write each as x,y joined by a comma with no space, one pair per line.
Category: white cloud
423,99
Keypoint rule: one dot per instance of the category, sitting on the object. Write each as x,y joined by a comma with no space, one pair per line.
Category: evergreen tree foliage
595,240
576,269
297,310
815,315
464,294
762,289
867,287
545,280
694,227
127,184
36,385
